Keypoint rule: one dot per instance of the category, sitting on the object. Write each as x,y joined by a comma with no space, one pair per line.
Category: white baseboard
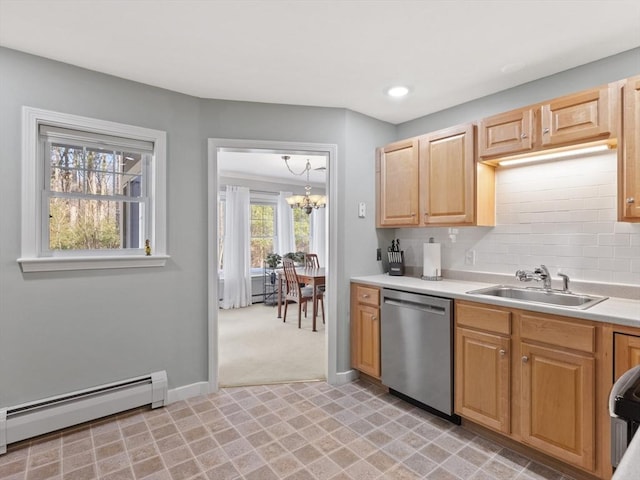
188,391
342,378
202,388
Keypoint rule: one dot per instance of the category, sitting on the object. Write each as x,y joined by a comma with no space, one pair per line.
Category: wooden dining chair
294,292
311,261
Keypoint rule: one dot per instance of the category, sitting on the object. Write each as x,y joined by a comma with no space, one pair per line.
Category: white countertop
621,311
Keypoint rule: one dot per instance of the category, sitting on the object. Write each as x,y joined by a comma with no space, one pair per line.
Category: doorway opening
237,336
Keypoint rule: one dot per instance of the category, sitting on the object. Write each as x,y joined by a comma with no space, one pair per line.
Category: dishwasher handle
425,307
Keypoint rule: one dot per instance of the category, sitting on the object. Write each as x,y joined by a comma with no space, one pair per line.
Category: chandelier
306,202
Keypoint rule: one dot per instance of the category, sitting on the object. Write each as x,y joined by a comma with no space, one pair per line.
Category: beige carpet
257,348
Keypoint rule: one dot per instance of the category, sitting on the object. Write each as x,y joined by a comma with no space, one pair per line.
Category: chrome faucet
565,282
541,273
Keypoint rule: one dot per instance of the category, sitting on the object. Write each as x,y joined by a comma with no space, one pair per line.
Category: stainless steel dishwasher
416,349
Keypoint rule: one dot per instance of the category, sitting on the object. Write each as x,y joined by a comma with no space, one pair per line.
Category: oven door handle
425,307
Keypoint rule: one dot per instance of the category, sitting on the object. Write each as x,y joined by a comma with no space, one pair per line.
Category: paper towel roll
431,260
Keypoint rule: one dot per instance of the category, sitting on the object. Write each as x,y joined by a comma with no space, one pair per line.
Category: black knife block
396,269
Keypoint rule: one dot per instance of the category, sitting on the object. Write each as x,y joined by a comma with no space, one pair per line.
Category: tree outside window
263,232
301,229
94,198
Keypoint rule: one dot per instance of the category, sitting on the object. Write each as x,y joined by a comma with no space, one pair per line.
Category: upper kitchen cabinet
452,192
434,180
507,133
584,117
629,154
397,184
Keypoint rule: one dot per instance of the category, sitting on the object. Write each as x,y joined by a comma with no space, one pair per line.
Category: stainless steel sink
539,295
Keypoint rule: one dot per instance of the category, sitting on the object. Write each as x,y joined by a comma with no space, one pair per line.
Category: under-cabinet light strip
554,155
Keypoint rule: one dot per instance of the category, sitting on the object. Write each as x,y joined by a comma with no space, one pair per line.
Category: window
264,235
94,193
301,229
263,232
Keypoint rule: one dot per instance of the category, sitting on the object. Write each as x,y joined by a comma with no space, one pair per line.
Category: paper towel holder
438,273
436,277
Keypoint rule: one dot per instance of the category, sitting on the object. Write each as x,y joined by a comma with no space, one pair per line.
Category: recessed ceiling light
398,91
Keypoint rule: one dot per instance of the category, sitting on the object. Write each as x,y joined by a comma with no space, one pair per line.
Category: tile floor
288,431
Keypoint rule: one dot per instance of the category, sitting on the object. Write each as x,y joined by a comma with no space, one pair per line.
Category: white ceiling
332,53
270,167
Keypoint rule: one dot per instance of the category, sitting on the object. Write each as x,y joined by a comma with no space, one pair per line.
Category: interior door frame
216,145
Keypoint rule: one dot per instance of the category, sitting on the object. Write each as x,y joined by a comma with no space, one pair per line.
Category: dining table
315,277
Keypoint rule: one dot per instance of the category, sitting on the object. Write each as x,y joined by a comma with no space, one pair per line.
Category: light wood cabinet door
447,176
506,133
365,329
367,339
482,385
557,409
398,184
626,350
579,117
629,188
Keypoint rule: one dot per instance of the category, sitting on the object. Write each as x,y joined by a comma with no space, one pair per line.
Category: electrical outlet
378,254
470,257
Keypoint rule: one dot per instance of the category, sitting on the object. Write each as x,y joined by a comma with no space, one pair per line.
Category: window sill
55,264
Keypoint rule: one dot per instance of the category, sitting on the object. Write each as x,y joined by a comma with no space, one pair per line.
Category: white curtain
319,235
237,249
286,238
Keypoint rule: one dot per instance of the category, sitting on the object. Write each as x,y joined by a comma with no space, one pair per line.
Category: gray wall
356,137
68,330
64,331
610,69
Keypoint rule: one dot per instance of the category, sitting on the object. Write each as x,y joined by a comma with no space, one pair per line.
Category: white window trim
30,259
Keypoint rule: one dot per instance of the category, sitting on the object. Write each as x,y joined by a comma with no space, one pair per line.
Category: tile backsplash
561,214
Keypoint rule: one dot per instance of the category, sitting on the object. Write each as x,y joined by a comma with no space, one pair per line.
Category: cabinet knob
523,135
502,352
525,359
631,200
365,295
546,130
413,214
374,318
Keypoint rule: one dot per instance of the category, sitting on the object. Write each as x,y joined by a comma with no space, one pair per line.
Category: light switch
362,209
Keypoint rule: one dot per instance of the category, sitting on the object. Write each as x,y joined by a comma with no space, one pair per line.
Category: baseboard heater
37,418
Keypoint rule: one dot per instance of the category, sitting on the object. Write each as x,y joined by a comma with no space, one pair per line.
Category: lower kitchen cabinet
365,329
626,348
483,367
533,378
482,394
557,403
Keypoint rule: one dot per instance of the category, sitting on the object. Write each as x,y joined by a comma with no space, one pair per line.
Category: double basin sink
540,295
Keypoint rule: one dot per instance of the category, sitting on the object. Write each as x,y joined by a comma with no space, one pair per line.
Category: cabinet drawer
368,295
569,334
483,318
